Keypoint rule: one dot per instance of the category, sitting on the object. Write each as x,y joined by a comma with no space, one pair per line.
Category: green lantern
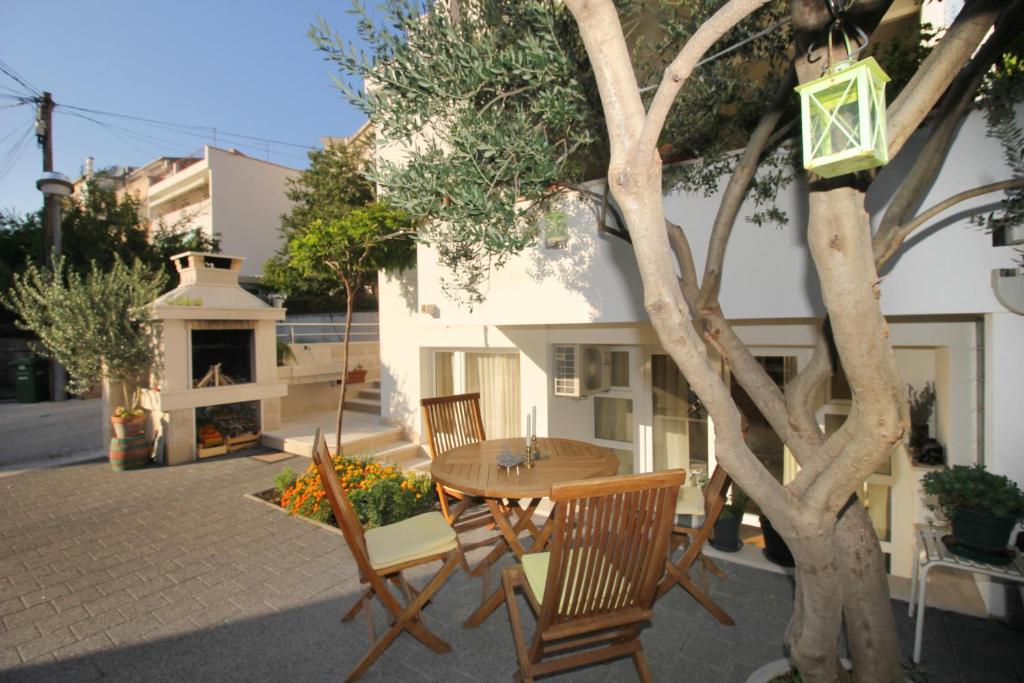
843,117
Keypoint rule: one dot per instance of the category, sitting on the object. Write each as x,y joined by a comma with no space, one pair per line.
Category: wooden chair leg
484,610
510,578
674,575
376,651
642,670
360,603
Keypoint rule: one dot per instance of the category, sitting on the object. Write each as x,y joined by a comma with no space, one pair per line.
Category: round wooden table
474,469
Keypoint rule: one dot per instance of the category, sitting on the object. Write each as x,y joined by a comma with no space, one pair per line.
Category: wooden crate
242,441
211,451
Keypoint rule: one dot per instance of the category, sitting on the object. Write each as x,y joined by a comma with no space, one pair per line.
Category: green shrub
285,480
380,494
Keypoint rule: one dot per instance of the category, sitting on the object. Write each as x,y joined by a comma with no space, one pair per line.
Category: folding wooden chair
381,554
594,590
450,422
692,540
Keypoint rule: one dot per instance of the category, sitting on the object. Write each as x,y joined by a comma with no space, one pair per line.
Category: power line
186,126
9,70
15,152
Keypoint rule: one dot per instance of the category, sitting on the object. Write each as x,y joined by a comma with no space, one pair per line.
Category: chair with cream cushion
382,554
593,591
711,502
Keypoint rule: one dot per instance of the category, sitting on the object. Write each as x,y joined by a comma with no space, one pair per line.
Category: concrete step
397,452
350,443
363,405
370,394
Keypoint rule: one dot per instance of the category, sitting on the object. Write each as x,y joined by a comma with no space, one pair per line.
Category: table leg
922,589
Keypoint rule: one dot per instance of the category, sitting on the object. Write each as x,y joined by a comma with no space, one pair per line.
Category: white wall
944,269
248,200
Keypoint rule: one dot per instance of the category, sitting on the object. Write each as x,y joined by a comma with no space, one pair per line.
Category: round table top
473,468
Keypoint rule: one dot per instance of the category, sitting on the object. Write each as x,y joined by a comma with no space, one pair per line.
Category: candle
534,421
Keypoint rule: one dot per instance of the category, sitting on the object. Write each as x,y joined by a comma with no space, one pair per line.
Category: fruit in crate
210,436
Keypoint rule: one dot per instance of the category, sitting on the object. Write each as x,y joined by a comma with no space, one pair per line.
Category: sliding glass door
494,375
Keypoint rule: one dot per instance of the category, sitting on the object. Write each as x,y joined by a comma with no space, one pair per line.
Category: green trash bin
32,379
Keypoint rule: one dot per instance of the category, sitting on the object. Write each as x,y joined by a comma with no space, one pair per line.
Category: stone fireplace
218,387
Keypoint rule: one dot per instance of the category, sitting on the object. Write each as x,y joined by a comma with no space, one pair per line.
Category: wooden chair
381,554
450,422
596,586
692,540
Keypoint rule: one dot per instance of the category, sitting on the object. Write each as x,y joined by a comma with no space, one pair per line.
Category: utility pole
51,219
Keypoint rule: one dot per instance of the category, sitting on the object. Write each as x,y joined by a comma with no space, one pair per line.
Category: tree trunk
349,302
813,632
867,609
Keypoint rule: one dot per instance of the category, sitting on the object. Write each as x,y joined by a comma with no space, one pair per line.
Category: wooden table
474,469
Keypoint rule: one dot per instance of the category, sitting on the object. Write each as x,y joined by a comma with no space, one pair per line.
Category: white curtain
444,379
496,377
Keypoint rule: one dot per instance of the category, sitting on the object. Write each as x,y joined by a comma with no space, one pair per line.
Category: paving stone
45,645
29,615
97,624
132,631
62,619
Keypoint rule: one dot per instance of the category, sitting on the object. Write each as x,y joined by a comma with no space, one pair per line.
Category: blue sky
241,67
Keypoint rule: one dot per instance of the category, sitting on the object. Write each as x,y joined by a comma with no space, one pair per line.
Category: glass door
679,422
494,375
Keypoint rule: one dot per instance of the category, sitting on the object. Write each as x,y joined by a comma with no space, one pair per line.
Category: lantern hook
838,8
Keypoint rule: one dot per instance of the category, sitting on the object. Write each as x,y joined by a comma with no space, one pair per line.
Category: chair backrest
609,545
452,421
714,494
344,513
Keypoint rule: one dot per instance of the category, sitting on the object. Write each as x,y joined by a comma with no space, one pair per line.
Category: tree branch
901,232
720,23
736,190
939,69
951,114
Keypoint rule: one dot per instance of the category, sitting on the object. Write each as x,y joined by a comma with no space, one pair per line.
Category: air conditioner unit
581,370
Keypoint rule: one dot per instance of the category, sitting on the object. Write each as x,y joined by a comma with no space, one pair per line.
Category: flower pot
356,376
980,531
130,425
129,453
727,535
775,548
918,435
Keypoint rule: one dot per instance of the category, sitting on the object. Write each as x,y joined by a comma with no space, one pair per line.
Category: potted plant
922,403
727,527
357,375
98,326
983,508
775,548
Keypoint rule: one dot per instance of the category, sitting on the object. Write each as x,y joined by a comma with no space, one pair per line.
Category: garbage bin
32,379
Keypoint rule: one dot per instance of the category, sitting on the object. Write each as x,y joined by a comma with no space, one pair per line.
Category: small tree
333,185
96,325
353,248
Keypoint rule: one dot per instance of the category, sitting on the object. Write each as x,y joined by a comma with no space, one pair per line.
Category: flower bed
381,494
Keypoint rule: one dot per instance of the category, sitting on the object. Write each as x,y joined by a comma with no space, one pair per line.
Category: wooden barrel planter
125,427
129,453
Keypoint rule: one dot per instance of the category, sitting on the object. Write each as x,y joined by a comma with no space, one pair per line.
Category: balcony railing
324,333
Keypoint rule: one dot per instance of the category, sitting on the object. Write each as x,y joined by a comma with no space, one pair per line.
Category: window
620,369
680,422
494,375
613,419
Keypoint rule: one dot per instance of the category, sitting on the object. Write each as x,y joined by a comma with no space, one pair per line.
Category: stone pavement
170,574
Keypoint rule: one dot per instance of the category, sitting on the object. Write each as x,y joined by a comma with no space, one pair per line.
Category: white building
226,193
576,311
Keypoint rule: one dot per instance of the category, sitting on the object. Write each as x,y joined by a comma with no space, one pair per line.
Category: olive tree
502,106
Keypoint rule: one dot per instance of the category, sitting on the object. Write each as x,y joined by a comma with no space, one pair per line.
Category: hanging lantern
843,117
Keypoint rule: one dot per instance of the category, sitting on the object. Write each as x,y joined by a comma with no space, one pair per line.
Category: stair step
397,452
363,405
372,394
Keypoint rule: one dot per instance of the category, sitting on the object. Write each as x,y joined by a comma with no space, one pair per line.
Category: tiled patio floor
169,574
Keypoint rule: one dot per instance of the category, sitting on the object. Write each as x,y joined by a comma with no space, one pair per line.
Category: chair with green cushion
382,554
593,591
